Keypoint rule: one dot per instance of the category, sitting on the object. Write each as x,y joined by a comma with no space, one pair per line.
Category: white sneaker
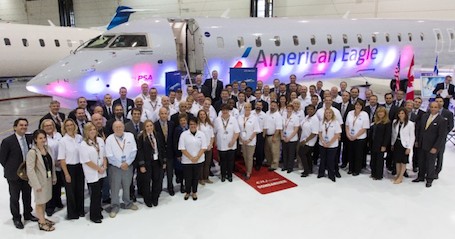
133,207
112,214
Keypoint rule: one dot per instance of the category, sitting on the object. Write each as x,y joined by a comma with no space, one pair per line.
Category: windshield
99,42
129,41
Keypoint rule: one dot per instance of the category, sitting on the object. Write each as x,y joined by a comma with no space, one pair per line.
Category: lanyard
152,142
327,126
241,107
122,146
244,122
355,119
286,122
153,106
97,148
225,125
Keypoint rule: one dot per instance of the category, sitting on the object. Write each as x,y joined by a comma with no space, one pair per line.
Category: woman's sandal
45,227
49,222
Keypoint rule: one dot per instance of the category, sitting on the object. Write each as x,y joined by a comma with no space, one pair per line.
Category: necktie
430,118
164,127
58,120
24,147
109,112
82,129
152,141
214,89
137,128
343,109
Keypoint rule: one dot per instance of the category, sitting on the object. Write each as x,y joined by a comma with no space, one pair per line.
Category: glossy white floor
353,207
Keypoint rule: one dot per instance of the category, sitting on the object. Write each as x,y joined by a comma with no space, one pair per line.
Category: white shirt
304,102
240,106
88,153
145,98
289,125
212,114
337,99
52,144
249,99
114,152
208,131
152,105
224,132
248,126
261,116
145,115
310,125
356,123
266,98
156,114
193,144
320,114
328,130
195,108
68,149
273,122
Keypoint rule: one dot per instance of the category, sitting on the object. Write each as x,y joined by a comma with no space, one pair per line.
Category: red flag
410,88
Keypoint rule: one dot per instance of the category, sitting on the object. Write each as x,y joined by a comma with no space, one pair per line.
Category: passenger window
25,42
124,41
240,42
81,42
387,37
220,42
277,40
329,39
399,37
57,43
313,40
7,41
70,43
438,36
410,36
41,43
373,38
258,41
359,38
421,36
345,39
295,39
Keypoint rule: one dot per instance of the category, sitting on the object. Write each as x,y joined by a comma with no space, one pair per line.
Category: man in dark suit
258,95
276,86
344,107
164,133
134,126
447,88
81,120
372,107
319,89
399,101
224,100
126,103
355,95
118,116
447,115
392,111
431,137
199,87
183,108
418,116
54,115
13,151
108,108
214,87
81,103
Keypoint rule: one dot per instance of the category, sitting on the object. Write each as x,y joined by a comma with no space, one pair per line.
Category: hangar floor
353,207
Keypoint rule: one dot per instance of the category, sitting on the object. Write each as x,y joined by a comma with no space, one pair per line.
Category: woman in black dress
379,138
403,137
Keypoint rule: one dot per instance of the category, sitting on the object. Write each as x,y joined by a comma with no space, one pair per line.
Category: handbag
22,170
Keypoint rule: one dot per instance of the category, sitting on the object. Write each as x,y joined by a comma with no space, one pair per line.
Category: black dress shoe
406,174
417,180
171,191
30,218
107,201
155,203
415,170
50,212
355,174
304,175
97,221
283,169
337,174
394,172
230,179
133,198
223,179
272,169
320,176
18,224
343,165
428,185
182,189
289,171
436,176
349,172
333,179
257,168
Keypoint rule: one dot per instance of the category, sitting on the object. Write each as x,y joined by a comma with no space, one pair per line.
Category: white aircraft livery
144,50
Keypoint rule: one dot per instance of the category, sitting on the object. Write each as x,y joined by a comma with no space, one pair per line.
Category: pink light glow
59,89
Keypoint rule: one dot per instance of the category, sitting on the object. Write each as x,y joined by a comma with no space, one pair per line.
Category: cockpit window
99,42
129,41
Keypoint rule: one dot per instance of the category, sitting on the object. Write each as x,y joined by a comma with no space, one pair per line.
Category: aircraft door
195,47
439,40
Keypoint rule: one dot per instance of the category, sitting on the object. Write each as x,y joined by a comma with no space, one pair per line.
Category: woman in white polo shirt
308,138
205,125
289,138
94,164
357,123
249,127
329,135
193,144
68,155
226,135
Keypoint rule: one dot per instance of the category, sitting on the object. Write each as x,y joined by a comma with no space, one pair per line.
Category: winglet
122,15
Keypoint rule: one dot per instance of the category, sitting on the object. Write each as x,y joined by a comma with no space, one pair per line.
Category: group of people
105,146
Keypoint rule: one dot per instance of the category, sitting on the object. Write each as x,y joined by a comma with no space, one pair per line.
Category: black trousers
305,156
427,168
356,154
106,188
170,173
95,199
289,151
316,153
389,159
138,182
327,162
191,173
153,175
56,200
75,192
15,189
440,158
415,157
344,153
377,164
226,163
259,150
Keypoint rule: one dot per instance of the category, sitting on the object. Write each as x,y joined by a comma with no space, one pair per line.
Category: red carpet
264,181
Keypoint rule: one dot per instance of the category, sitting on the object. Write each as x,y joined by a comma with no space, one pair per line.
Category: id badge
285,134
352,132
123,158
326,138
225,132
49,174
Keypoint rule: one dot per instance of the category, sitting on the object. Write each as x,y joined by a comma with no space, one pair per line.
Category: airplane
143,51
26,50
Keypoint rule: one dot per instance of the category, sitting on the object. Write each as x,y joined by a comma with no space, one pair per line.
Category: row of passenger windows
330,39
42,43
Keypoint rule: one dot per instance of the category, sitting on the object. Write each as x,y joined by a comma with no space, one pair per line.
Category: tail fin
122,15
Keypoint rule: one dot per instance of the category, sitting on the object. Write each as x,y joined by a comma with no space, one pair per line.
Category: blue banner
249,75
173,81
